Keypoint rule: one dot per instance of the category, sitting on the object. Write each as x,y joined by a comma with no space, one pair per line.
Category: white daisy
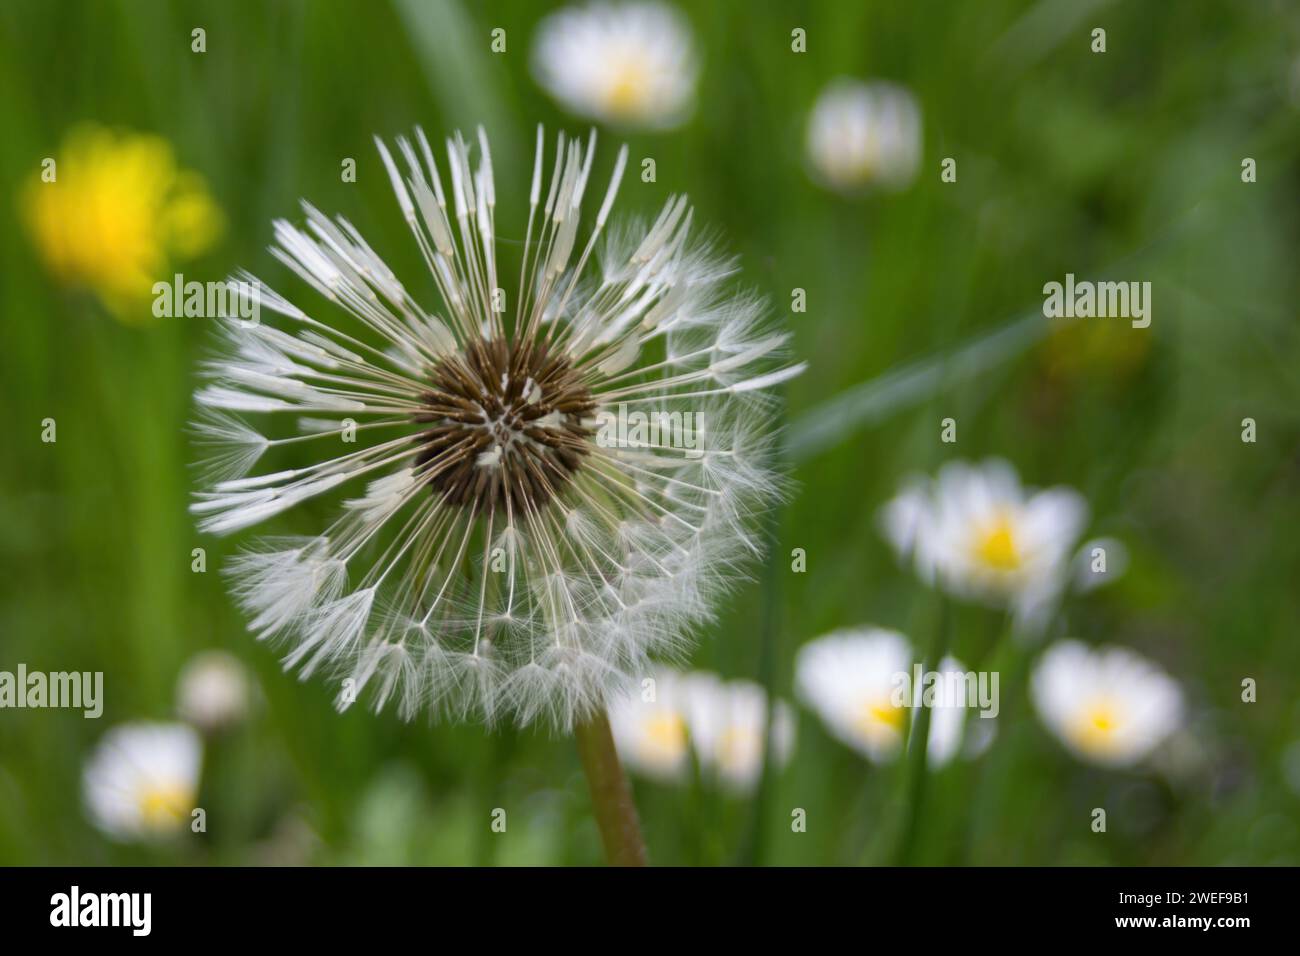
491,554
864,134
980,535
720,722
631,64
212,691
851,679
727,722
650,727
1108,705
142,780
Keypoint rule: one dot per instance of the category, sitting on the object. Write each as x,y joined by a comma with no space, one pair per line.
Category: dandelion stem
611,797
918,772
769,639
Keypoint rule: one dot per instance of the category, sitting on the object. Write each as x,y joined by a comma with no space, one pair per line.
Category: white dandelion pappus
142,780
863,134
1108,705
849,679
491,556
630,64
975,531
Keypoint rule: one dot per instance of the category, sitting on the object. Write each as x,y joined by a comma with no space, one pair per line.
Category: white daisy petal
864,134
142,780
631,64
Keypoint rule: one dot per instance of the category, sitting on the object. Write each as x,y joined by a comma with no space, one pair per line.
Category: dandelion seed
490,558
864,134
631,64
142,780
1108,705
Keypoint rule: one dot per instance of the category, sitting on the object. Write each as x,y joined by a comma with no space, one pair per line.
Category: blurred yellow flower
1078,348
116,211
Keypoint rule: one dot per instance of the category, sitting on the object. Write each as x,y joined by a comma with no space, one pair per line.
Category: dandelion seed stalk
611,796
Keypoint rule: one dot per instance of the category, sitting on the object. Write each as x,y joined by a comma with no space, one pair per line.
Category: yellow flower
116,214
1078,348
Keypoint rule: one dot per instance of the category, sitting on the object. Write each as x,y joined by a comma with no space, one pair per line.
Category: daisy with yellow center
852,678
728,722
975,531
1108,705
117,213
630,64
213,691
142,780
864,134
673,715
650,729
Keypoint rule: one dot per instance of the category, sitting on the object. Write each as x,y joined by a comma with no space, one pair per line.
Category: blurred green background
1123,165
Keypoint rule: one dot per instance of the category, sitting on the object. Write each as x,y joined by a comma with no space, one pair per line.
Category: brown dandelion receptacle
508,426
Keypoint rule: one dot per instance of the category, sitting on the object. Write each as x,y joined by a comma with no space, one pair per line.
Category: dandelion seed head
490,556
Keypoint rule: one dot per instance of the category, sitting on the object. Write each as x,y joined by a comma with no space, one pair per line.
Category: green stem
611,797
751,853
918,772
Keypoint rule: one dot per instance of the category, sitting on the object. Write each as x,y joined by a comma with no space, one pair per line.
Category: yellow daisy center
164,806
666,733
880,712
627,89
1097,726
996,545
737,746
